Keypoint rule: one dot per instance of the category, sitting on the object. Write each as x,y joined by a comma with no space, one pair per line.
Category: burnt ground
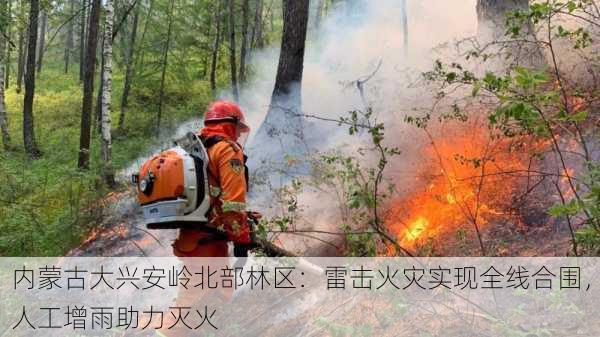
123,233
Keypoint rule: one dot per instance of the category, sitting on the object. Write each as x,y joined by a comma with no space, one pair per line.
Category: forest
379,128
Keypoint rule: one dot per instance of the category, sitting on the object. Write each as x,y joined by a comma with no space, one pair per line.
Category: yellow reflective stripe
235,227
214,191
233,206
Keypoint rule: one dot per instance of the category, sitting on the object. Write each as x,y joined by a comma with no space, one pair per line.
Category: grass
47,205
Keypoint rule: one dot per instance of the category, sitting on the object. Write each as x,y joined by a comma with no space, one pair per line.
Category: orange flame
470,178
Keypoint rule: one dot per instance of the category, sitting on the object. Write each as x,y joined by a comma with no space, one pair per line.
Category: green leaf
569,209
476,88
579,116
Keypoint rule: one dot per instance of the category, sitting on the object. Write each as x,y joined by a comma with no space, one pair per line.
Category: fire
469,178
416,227
93,235
565,186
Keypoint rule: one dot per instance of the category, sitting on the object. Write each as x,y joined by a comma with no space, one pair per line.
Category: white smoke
348,46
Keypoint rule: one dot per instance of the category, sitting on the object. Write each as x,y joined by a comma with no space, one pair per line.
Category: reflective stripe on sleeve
214,191
233,206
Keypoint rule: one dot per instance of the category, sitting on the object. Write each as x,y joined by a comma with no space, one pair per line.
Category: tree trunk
164,69
107,172
129,72
492,16
9,47
140,61
291,58
244,47
122,30
22,50
282,124
492,27
232,61
319,14
70,35
215,50
256,40
98,109
404,20
88,86
82,32
272,18
42,38
28,124
3,114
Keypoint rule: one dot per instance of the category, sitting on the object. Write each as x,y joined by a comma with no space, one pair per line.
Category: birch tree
108,173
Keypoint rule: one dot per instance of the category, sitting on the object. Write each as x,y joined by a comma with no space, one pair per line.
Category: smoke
356,39
353,38
165,142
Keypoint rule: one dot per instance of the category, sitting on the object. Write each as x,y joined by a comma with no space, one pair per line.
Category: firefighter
224,133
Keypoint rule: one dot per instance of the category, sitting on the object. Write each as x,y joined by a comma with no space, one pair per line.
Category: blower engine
172,187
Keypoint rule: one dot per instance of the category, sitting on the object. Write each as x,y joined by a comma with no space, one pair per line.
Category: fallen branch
272,250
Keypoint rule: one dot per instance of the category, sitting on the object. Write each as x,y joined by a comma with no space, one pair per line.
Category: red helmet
224,111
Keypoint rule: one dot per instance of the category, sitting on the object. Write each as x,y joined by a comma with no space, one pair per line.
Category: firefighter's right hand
235,225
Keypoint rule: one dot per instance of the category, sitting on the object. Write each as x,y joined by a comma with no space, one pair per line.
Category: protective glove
241,249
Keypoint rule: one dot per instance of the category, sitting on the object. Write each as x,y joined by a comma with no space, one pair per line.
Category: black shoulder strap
211,141
246,173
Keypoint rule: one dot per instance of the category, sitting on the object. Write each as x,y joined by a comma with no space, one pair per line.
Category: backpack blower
173,191
172,186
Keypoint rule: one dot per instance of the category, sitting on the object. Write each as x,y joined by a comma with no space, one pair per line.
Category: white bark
107,91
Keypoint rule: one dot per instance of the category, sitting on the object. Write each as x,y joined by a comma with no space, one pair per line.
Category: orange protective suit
228,186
